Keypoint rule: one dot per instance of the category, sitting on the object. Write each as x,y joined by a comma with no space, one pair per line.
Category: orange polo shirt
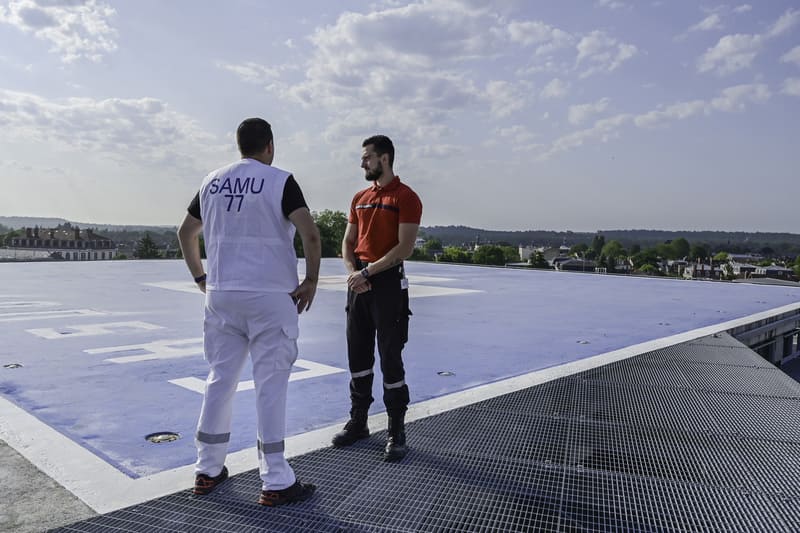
378,213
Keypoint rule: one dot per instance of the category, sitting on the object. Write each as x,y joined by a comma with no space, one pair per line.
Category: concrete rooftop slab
110,352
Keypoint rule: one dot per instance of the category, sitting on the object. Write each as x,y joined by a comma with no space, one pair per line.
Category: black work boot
355,429
396,447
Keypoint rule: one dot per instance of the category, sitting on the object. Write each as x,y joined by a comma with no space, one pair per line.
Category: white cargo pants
266,325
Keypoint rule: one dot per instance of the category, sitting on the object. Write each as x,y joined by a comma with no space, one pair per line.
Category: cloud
732,53
580,113
505,98
556,88
546,37
422,49
792,56
731,99
610,4
736,98
603,53
736,52
786,22
744,8
76,28
143,130
678,111
252,72
711,22
516,134
791,86
411,68
603,130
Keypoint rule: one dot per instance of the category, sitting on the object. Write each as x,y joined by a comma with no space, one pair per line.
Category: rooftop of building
539,399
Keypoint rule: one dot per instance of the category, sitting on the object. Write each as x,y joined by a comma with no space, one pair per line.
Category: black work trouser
381,312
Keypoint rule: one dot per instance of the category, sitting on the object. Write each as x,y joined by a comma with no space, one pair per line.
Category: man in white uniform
248,212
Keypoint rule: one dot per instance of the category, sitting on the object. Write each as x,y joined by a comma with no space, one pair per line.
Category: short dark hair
253,136
382,145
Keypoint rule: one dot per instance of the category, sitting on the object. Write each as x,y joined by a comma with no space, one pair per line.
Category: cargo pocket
289,334
404,316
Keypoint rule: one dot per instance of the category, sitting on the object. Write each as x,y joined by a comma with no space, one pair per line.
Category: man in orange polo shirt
381,231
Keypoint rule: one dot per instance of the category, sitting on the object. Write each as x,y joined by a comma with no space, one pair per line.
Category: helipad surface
110,352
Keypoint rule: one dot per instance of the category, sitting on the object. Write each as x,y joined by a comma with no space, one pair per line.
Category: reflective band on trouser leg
211,451
270,447
208,438
362,374
276,474
396,385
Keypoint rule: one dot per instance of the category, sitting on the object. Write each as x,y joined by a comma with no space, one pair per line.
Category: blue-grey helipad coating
111,352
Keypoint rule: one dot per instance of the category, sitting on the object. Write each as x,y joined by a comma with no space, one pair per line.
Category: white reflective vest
249,243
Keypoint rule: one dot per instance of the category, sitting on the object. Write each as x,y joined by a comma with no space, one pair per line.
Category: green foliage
664,250
727,272
648,257
510,253
680,248
419,255
146,248
454,254
489,254
597,244
579,249
613,250
721,257
650,270
432,246
120,256
332,225
796,265
698,252
635,249
5,240
537,260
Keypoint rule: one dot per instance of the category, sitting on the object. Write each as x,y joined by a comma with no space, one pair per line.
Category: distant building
745,258
64,242
574,265
701,271
774,272
743,270
525,252
676,266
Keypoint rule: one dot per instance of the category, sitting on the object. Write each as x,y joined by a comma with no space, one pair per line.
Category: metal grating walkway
703,436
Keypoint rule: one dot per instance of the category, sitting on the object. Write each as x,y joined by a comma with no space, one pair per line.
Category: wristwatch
365,273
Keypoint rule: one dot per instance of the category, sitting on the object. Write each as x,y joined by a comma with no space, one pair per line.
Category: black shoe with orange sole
203,484
299,492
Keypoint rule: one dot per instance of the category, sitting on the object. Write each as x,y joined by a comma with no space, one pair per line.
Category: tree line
443,244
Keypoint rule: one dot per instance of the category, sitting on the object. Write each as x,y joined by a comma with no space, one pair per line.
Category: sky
506,115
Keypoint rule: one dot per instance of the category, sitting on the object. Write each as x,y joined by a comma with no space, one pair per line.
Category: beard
374,175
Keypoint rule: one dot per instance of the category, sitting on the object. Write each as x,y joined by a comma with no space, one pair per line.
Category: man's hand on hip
303,295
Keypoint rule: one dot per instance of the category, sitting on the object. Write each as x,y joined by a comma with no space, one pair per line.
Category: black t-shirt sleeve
194,206
292,197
